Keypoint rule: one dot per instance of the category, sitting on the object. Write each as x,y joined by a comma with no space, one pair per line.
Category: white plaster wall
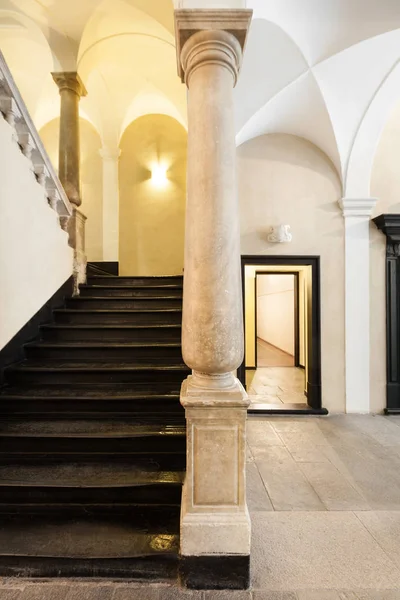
385,186
35,259
287,180
275,310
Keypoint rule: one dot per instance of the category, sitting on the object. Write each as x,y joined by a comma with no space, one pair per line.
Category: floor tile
90,592
332,488
227,595
257,496
286,485
274,595
384,526
45,592
10,593
318,595
261,433
319,550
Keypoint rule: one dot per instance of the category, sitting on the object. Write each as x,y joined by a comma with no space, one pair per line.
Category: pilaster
357,215
110,158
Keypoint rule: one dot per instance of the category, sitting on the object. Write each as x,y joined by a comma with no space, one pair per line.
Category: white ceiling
325,70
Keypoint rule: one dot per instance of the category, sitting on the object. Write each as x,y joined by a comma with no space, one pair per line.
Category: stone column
215,524
110,158
357,217
71,89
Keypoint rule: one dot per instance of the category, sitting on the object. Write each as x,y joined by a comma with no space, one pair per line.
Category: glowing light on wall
159,175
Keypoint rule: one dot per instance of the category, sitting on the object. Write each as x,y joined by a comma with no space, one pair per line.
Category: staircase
92,436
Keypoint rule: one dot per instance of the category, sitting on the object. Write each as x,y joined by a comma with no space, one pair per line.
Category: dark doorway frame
296,314
313,385
389,224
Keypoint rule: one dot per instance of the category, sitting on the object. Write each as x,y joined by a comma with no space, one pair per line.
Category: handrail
17,116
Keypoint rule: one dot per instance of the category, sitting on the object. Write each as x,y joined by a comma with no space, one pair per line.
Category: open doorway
277,319
282,365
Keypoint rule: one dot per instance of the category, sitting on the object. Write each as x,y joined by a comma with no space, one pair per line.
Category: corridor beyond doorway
282,365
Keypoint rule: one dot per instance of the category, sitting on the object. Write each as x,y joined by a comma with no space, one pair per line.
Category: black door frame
313,385
389,224
296,315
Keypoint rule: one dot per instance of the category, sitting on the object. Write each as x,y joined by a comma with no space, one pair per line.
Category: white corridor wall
35,259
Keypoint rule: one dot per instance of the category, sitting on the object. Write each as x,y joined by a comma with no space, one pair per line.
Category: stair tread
97,537
58,364
111,326
93,429
122,298
92,475
104,392
89,344
116,310
160,286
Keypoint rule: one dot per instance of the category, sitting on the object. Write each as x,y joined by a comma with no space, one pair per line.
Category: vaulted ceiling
325,70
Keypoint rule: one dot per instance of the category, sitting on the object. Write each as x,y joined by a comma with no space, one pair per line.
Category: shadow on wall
152,179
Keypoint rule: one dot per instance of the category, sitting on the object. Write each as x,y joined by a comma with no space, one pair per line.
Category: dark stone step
156,353
120,317
99,485
64,546
63,372
121,303
111,333
90,402
133,440
130,291
138,281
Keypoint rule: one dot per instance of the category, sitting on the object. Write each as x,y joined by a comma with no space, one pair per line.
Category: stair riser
155,355
147,281
123,304
158,568
101,408
51,377
129,292
119,318
143,494
170,334
93,445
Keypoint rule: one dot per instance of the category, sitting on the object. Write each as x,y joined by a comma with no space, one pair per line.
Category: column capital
111,154
70,80
219,35
389,224
357,207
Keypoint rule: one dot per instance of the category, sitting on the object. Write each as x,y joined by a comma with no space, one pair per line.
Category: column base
216,572
214,533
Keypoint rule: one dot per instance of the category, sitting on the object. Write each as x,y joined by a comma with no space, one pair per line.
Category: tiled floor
271,356
324,499
276,385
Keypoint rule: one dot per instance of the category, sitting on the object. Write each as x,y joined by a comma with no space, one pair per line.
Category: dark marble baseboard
215,572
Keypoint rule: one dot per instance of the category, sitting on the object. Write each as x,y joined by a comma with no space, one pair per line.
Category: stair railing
14,111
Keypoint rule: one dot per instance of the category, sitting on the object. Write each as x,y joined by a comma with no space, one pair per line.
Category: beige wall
275,310
91,180
152,218
286,180
385,186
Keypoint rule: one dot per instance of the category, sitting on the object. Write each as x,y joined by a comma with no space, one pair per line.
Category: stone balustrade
17,116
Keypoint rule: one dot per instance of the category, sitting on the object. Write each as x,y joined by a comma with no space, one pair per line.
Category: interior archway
152,172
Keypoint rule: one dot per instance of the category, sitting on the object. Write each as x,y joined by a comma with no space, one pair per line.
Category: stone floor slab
286,485
317,550
332,488
257,496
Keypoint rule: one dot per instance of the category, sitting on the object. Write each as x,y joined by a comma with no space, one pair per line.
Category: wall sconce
280,234
159,175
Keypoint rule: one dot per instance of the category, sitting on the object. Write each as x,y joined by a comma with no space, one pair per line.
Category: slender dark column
389,224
